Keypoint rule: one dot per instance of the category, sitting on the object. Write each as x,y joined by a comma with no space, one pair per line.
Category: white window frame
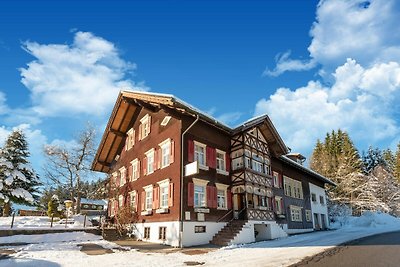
114,178
150,164
135,169
224,189
278,204
165,147
164,185
296,214
120,201
275,175
133,200
145,126
203,184
148,198
202,165
130,139
221,162
122,172
308,215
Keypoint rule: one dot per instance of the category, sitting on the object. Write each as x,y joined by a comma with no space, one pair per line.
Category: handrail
226,214
238,213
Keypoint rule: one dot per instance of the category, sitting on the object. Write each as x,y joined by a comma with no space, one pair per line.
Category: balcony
262,215
258,178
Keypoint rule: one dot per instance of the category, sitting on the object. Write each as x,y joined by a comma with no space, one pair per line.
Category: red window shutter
172,152
171,195
215,196
142,199
210,157
157,159
144,166
190,150
190,194
280,178
210,198
228,162
229,198
155,197
214,157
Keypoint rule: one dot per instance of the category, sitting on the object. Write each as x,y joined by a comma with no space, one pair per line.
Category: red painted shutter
144,166
190,195
210,198
280,178
228,162
157,159
229,198
210,157
142,199
172,152
215,195
190,150
214,157
155,197
171,195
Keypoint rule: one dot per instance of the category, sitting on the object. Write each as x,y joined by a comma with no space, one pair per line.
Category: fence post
52,218
84,221
12,221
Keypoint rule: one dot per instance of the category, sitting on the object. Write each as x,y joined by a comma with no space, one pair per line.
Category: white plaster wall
172,233
316,206
190,238
246,235
268,230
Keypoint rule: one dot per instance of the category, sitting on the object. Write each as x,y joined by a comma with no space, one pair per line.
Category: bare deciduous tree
68,164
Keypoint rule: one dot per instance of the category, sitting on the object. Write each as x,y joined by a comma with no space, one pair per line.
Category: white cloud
229,118
3,105
81,78
359,101
284,63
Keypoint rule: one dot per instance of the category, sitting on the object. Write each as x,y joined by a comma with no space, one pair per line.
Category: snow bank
41,222
372,219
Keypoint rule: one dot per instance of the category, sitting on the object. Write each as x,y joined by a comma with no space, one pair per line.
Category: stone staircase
228,233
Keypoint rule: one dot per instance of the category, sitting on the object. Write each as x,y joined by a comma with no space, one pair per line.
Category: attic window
165,120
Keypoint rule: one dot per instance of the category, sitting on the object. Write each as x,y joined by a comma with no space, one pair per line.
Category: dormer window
165,120
144,128
130,139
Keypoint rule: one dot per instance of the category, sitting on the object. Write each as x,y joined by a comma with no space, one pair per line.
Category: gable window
165,153
130,139
123,176
321,200
135,169
133,202
200,153
144,128
150,161
295,214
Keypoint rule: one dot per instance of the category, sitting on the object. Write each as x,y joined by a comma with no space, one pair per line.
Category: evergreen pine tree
53,207
397,164
18,181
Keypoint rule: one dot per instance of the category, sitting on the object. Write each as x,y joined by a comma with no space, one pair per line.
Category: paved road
377,250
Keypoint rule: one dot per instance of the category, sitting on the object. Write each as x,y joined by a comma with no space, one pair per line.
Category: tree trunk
7,209
78,195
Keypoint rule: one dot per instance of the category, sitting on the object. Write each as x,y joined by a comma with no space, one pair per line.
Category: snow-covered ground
40,222
62,249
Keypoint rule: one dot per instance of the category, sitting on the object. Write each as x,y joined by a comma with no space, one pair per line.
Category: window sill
222,208
162,210
162,167
222,172
202,210
203,167
146,212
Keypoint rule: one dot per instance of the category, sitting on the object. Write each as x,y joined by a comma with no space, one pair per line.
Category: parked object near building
193,180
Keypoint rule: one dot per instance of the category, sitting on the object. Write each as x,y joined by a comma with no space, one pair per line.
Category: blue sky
312,66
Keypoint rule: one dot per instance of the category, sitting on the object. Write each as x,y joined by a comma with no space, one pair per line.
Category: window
165,153
120,201
237,163
321,200
130,139
148,204
200,229
146,233
135,169
221,199
94,207
165,120
150,161
199,196
123,176
313,197
112,207
162,233
295,213
114,179
293,188
279,205
86,206
164,195
308,215
145,126
133,203
276,179
200,153
221,161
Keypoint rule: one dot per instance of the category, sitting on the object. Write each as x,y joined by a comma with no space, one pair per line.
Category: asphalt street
377,250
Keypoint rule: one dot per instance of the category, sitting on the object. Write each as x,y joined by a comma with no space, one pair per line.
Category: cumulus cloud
230,118
284,63
360,100
81,78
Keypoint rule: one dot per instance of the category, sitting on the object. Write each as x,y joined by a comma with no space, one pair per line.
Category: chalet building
193,180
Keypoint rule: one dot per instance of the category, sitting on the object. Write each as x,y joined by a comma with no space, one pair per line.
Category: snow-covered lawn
62,249
40,222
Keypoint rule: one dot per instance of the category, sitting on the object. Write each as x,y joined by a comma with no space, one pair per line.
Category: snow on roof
301,167
93,201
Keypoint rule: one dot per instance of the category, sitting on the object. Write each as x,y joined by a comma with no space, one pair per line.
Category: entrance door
238,204
323,222
317,225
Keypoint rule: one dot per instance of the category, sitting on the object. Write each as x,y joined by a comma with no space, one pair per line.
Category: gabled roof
306,170
128,106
